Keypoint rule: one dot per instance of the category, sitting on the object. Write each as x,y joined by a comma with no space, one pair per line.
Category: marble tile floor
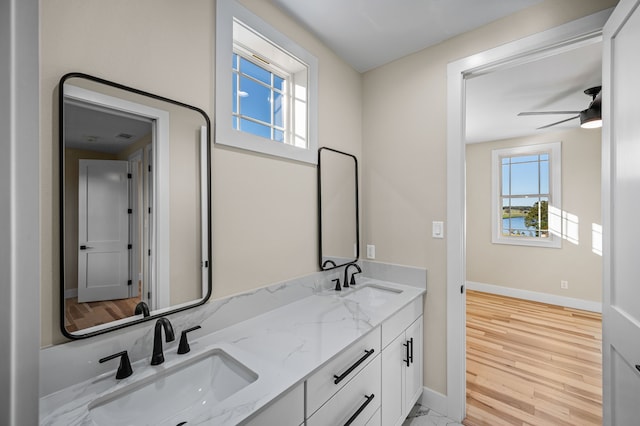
423,416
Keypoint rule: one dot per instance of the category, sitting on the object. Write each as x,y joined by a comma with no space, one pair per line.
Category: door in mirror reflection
135,201
338,203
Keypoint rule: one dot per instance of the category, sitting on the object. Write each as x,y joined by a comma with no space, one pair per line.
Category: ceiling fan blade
547,113
558,122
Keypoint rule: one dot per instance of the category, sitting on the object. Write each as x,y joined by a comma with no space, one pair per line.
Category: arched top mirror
134,206
338,208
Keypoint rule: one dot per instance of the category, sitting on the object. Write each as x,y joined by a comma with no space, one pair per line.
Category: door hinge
149,167
129,176
462,289
130,211
149,252
148,295
129,246
149,210
129,282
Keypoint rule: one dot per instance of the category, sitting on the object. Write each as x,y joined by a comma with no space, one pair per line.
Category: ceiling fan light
591,118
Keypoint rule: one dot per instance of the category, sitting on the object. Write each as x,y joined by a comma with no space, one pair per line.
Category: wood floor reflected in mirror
84,315
530,363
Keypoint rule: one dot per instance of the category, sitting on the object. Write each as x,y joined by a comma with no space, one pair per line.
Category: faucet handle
337,281
184,347
353,278
124,369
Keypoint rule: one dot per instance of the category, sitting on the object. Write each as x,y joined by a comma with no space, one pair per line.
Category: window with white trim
271,104
526,195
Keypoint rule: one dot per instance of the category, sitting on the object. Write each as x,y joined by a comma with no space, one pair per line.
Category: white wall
404,155
540,269
264,209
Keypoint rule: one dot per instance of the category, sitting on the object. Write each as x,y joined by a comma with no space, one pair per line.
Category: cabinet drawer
288,410
395,325
358,400
322,384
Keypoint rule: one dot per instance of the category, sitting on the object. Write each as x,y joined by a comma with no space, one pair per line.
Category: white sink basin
372,295
175,395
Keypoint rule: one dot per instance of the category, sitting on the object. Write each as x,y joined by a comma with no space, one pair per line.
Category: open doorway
583,32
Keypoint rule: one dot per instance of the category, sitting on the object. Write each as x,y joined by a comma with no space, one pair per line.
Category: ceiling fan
590,118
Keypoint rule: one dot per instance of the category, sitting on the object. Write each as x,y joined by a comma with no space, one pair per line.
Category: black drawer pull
367,354
408,360
637,367
411,351
362,407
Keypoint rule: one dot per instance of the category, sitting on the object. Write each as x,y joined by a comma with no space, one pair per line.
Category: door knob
83,247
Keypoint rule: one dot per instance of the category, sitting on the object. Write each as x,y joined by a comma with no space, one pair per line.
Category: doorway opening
539,46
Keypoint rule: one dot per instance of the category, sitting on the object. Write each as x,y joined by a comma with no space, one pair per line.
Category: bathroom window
271,104
526,195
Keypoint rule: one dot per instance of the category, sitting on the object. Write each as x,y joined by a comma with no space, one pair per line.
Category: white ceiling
554,83
370,33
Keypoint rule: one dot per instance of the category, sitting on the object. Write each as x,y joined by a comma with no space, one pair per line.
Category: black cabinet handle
408,360
362,407
124,369
638,367
411,351
367,354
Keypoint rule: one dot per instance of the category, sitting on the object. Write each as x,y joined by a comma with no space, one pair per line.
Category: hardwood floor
529,363
84,315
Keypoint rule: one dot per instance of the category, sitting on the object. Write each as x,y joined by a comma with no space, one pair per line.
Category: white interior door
103,230
621,192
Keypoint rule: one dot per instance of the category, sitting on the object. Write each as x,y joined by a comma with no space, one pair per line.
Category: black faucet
142,308
346,275
158,356
328,262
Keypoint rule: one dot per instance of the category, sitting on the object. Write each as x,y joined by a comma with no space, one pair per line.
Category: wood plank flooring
83,315
530,363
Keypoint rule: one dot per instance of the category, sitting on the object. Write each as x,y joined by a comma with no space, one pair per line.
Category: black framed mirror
135,202
339,223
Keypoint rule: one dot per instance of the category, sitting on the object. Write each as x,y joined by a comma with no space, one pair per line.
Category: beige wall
264,209
536,268
404,156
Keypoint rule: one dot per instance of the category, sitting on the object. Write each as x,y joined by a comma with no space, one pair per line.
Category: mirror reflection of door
103,230
106,154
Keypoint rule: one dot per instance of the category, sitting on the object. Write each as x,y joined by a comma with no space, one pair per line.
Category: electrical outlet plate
371,251
564,284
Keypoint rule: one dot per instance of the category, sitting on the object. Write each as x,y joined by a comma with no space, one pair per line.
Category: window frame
554,150
226,12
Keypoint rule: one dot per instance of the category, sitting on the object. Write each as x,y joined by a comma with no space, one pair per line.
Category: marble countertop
283,347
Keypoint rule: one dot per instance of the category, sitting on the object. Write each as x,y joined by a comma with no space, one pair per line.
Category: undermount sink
372,294
175,395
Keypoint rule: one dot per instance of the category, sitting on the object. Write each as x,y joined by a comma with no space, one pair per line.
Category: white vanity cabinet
288,410
401,363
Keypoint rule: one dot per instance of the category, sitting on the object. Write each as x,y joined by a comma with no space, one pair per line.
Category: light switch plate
371,251
437,229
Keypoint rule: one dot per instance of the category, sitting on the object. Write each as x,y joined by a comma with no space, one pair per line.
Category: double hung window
526,195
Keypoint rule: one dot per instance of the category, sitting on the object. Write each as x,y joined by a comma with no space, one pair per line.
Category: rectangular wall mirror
134,206
338,207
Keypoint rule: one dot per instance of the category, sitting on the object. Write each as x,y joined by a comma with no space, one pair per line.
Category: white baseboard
73,292
433,400
552,299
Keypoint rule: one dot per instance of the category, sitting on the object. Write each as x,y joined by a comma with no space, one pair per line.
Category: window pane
524,178
251,69
234,85
544,177
235,61
278,135
255,128
278,113
278,82
524,159
256,103
235,123
505,180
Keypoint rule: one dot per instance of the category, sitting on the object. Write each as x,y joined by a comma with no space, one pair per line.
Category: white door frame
136,161
160,226
524,49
